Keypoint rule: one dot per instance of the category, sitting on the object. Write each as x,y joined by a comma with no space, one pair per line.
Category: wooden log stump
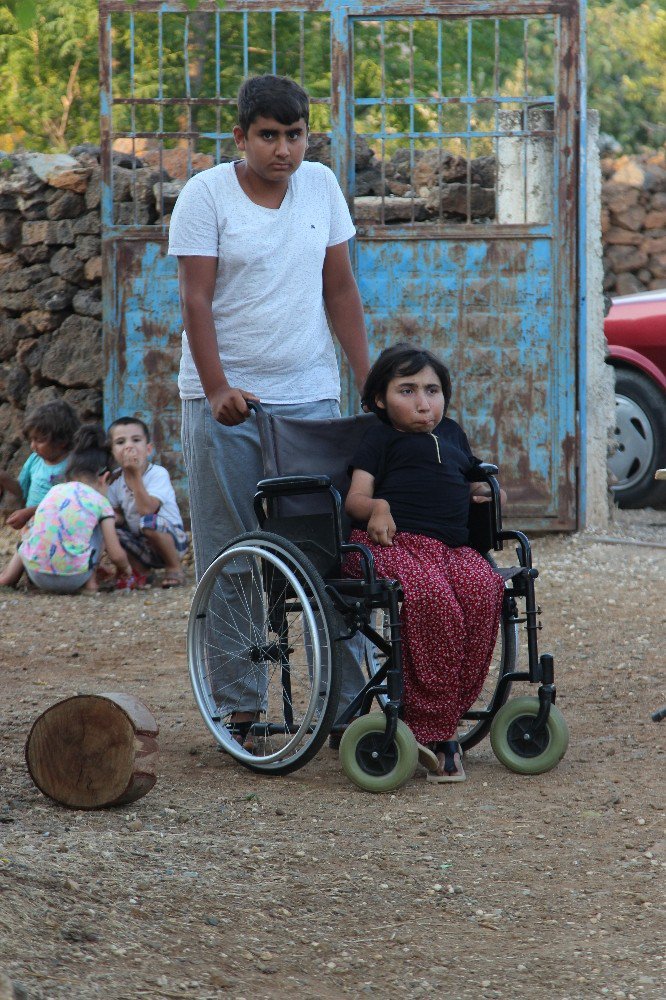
94,750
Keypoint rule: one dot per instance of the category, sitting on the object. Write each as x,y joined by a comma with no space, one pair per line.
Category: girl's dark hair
272,97
91,455
401,359
55,422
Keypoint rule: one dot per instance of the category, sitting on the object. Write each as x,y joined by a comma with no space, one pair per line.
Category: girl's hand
381,526
19,518
480,493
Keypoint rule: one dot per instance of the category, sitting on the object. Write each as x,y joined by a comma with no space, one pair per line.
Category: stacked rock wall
50,290
633,223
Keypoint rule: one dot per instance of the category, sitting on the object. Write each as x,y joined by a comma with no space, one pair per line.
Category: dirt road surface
223,883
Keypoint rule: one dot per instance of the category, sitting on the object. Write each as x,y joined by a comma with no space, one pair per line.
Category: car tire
640,433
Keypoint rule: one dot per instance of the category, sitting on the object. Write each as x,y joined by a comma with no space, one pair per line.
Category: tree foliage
49,92
49,95
627,69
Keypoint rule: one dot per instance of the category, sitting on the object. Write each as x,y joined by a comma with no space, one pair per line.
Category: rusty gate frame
569,225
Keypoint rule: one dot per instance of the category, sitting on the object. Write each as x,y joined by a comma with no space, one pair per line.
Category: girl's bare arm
363,506
116,552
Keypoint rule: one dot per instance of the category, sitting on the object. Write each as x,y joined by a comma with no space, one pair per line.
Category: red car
635,329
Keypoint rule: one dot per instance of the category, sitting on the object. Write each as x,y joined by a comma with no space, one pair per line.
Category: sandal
450,768
173,579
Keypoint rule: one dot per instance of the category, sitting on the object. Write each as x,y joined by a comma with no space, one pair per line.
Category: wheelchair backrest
296,447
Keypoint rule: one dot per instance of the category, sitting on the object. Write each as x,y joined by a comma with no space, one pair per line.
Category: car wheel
640,435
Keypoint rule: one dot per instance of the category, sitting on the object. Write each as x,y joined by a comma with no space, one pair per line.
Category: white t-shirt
158,484
268,307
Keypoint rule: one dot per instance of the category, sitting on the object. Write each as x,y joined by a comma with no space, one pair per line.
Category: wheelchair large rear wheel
472,731
261,640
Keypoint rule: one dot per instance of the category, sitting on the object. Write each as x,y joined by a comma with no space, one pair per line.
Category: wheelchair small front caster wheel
363,760
511,742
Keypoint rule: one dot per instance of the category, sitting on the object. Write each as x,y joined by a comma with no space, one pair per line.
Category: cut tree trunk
94,750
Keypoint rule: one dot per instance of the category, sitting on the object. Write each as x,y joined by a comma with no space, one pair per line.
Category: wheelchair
273,616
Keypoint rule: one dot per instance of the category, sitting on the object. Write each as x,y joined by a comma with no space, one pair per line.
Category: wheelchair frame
294,591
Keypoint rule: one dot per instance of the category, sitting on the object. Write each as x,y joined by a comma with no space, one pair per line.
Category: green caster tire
506,737
359,748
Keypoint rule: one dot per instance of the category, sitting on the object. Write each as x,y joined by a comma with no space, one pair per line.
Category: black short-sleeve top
424,477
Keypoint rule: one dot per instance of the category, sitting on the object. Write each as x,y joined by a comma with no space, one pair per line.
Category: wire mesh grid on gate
454,117
169,82
461,114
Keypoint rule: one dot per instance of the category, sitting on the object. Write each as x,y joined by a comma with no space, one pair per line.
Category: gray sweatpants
224,465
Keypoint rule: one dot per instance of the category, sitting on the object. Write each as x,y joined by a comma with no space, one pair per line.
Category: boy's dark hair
270,96
55,422
126,421
91,455
401,359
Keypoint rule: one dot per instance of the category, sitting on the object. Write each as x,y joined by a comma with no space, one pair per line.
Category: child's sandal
451,766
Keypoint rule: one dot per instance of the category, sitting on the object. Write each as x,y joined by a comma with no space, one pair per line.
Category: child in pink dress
50,429
74,523
413,475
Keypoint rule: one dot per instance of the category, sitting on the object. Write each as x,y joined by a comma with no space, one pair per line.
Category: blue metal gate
463,180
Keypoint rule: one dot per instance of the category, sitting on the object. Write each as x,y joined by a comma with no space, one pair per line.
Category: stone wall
633,223
50,290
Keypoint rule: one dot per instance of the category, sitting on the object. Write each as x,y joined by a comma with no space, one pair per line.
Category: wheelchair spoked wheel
367,765
524,756
261,641
472,731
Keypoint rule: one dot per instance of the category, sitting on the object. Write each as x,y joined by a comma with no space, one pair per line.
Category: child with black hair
413,477
265,279
50,428
75,522
148,520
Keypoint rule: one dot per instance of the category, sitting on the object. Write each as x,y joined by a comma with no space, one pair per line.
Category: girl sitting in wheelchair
412,480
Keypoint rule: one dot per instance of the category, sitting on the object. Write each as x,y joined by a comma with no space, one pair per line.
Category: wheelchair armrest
284,485
487,468
485,519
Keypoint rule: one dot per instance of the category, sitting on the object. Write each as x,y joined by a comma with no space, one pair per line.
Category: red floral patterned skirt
450,617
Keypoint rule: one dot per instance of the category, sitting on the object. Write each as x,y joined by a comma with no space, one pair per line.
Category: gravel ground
223,883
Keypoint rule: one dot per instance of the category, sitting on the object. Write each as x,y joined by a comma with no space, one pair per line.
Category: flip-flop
173,580
450,771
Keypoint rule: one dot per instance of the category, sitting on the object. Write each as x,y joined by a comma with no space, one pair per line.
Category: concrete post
600,377
525,169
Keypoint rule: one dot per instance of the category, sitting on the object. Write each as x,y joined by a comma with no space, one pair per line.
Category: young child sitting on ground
150,527
75,522
413,476
50,428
